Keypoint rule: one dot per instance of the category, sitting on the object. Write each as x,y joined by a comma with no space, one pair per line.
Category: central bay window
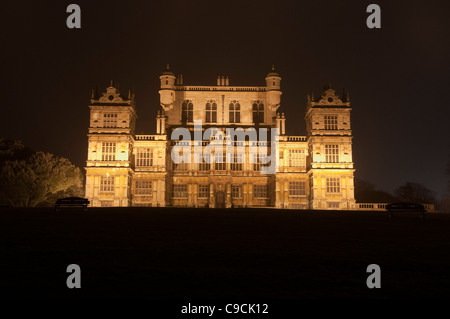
237,162
220,161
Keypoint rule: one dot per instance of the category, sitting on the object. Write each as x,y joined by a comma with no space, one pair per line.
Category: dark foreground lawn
237,254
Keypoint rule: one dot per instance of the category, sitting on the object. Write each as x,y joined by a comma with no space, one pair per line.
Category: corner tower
109,164
330,160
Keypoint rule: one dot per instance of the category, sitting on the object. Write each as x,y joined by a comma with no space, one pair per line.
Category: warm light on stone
313,171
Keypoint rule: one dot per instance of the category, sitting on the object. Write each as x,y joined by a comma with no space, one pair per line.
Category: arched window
187,113
235,112
211,112
258,112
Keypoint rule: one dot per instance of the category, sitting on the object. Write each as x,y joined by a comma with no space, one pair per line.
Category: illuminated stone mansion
125,169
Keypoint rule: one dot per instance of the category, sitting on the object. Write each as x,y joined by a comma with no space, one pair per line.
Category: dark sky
397,76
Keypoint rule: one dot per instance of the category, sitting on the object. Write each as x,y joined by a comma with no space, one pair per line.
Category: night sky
397,76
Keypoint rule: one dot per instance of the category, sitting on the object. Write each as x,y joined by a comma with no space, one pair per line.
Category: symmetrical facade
312,172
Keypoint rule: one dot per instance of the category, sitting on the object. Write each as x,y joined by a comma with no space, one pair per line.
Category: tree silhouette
416,193
32,179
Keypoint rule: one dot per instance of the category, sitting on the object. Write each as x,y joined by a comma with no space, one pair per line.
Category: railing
382,206
150,137
371,206
296,138
222,88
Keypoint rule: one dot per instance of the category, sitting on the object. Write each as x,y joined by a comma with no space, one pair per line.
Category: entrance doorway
220,200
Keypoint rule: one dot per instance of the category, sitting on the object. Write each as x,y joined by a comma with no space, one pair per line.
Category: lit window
143,187
220,161
187,111
256,162
237,163
236,191
235,112
205,165
331,122
258,112
297,188
107,184
211,112
108,151
260,191
203,191
297,158
110,120
333,185
179,190
332,153
144,157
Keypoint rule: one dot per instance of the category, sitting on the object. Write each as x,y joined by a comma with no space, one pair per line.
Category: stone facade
125,169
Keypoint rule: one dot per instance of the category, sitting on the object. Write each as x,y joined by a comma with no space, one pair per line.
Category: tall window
179,190
110,120
332,153
143,187
297,158
144,157
187,111
236,191
203,191
108,151
260,191
333,185
297,188
258,112
205,165
107,184
331,122
235,112
220,161
237,163
211,112
257,162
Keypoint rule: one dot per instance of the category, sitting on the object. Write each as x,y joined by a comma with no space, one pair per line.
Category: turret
167,91
273,80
